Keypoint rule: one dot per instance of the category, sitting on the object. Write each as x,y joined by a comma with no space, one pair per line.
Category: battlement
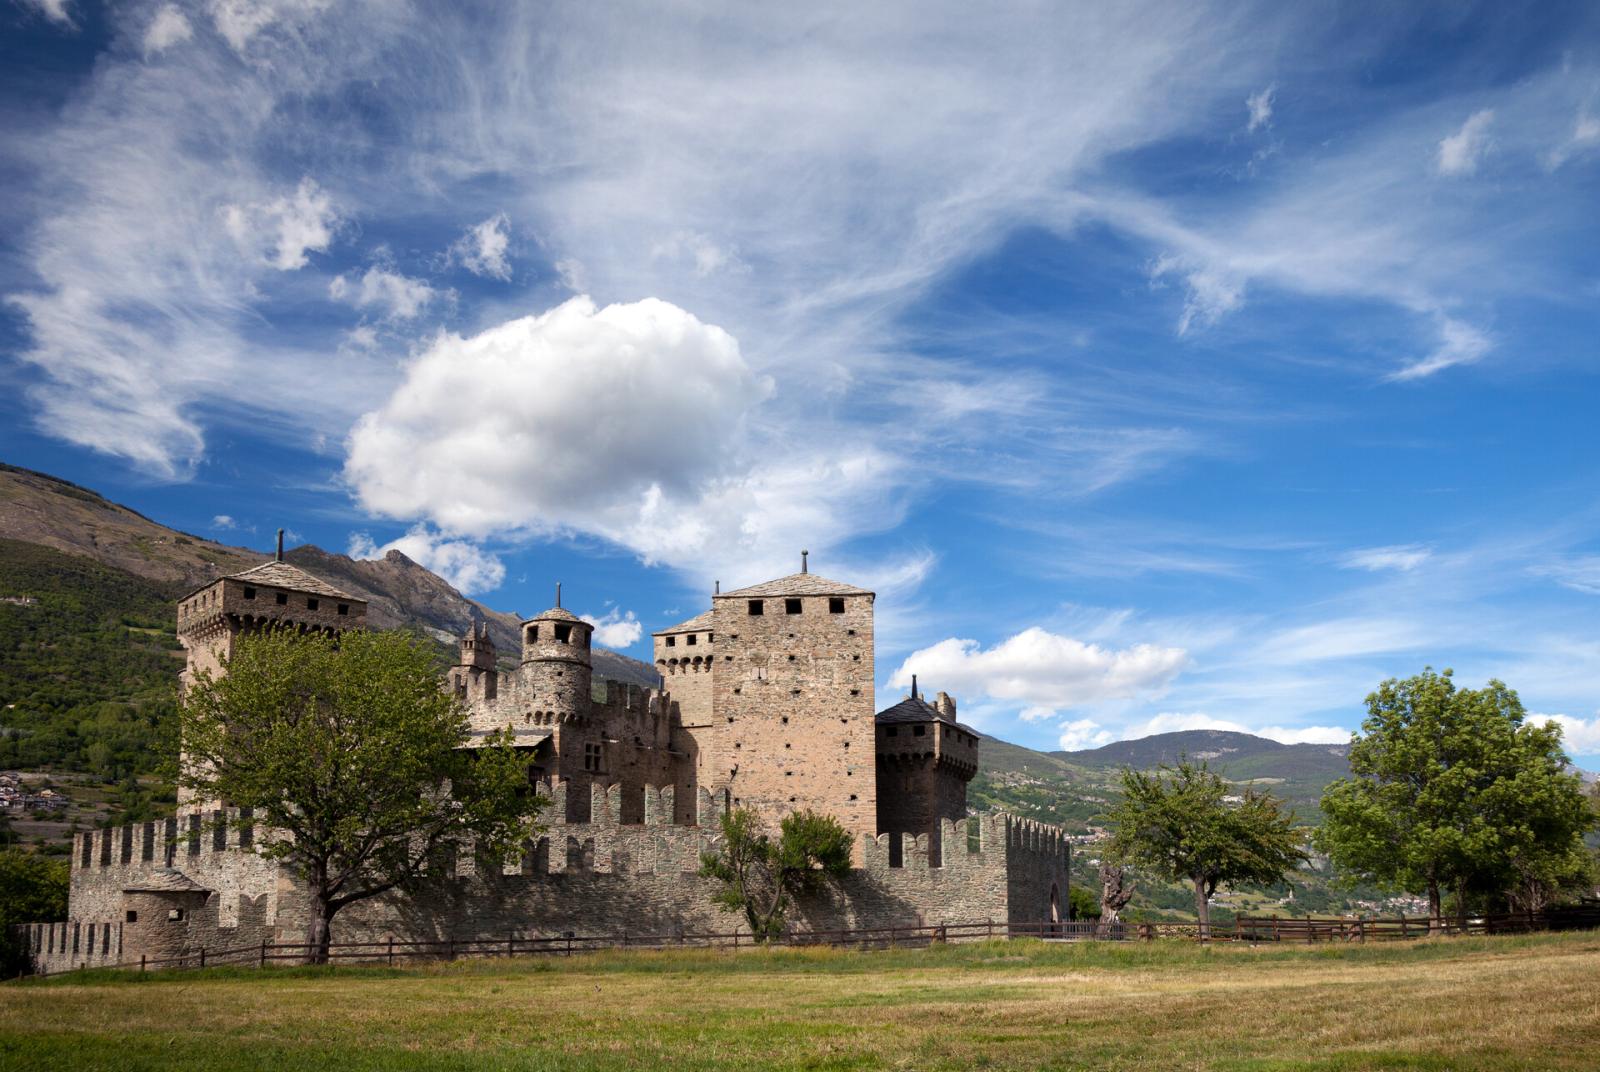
165,842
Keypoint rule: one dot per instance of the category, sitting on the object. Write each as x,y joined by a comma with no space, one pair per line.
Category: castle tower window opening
757,608
791,606
835,604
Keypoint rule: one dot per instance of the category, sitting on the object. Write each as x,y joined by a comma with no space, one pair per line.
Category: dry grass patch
1458,1004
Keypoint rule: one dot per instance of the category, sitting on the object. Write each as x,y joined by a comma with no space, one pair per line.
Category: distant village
16,796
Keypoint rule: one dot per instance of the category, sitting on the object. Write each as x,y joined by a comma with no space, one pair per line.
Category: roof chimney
913,686
803,567
279,556
558,594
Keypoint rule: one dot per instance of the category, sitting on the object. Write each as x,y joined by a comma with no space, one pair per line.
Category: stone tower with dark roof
275,594
790,722
925,758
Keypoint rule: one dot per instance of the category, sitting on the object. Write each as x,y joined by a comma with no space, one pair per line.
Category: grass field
1446,1004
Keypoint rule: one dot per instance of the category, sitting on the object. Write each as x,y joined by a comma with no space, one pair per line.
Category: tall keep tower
212,618
792,700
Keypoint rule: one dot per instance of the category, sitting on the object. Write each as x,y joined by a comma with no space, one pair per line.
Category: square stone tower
792,701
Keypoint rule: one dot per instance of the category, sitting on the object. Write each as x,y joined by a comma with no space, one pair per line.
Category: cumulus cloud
283,230
1175,722
628,422
1461,152
465,565
223,521
483,249
168,28
395,296
1259,105
1083,733
615,629
1402,557
1043,672
1581,736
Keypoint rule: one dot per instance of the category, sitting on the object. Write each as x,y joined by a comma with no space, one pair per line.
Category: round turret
556,673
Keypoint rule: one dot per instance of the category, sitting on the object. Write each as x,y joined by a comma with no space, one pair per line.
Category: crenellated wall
604,876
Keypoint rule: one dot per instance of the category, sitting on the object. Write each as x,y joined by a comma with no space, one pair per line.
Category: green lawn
1447,1004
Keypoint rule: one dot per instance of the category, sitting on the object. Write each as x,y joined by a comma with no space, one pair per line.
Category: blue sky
1161,367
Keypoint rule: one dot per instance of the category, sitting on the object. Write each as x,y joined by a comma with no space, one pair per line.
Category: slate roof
797,584
166,880
283,575
916,709
560,614
700,623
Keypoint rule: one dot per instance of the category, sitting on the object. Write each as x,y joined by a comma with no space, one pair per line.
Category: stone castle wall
603,877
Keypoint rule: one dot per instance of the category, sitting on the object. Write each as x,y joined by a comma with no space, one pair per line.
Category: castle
767,702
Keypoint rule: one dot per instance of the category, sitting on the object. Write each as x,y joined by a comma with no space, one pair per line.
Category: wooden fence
1253,929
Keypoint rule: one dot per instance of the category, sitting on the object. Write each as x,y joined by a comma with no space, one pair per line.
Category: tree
1178,822
1081,904
33,889
1115,893
1452,789
760,875
351,757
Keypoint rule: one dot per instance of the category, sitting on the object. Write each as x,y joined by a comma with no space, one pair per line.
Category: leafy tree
1081,904
33,889
1452,789
760,875
350,755
1178,822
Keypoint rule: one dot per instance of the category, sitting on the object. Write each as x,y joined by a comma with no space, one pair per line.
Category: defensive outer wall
168,888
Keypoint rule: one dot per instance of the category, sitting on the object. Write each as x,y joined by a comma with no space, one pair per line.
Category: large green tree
1180,822
760,875
351,756
1454,790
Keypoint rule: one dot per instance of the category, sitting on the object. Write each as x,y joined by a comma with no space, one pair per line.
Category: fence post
569,943
450,948
736,937
263,963
511,946
141,963
202,956
991,928
391,950
1405,931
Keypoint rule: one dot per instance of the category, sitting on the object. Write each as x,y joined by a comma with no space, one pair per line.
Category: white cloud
571,274
1083,733
1581,736
223,521
1042,671
283,230
629,422
695,251
400,297
1213,292
1402,557
1459,344
168,28
463,564
1461,152
1175,722
1581,573
482,250
1341,638
615,629
1260,107
54,10
1585,136
239,21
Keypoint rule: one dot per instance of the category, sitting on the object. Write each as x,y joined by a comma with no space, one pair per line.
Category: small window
533,634
563,633
919,731
711,638
175,915
852,796
785,720
851,632
690,641
344,608
791,606
855,692
672,642
791,658
312,604
282,599
133,917
757,608
591,757
249,593
836,604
